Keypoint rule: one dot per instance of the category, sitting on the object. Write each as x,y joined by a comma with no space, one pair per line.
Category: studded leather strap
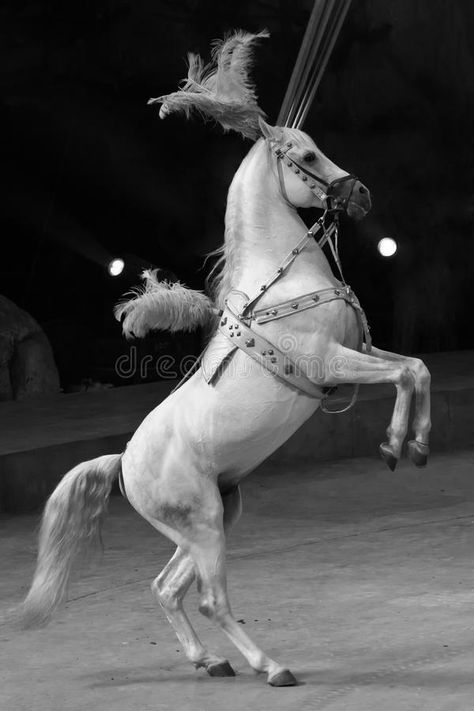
309,301
301,303
266,353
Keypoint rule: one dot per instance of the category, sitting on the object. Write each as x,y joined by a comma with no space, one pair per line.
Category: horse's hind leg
208,552
418,449
171,586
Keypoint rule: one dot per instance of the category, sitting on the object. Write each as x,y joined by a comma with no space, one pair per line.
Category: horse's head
309,179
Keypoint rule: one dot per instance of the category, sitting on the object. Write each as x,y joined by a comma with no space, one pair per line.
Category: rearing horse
182,468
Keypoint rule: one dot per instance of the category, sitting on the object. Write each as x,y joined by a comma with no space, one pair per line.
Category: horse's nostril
362,190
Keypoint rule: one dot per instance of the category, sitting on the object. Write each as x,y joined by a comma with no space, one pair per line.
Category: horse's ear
273,133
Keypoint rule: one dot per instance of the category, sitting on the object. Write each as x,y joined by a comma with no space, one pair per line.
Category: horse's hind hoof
283,678
388,456
418,453
220,669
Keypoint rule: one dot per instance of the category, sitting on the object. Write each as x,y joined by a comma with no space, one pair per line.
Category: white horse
182,468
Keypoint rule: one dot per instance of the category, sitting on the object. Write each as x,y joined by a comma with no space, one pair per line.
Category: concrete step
41,440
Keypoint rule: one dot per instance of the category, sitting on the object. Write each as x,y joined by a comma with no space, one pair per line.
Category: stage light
387,247
115,267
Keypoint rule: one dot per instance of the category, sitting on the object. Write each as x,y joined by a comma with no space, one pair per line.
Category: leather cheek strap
333,202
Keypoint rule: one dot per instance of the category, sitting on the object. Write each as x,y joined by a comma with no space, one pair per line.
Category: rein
237,326
329,232
235,322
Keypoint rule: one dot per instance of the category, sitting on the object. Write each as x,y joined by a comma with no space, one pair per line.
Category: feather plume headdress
162,305
222,89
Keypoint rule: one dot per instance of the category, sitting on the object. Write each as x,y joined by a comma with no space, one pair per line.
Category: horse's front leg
418,449
347,366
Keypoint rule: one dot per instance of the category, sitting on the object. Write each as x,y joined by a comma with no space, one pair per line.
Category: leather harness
235,323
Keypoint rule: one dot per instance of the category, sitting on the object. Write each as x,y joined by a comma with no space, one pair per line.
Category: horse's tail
71,524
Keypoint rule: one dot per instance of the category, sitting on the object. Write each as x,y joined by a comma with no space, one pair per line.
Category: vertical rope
301,59
323,28
329,41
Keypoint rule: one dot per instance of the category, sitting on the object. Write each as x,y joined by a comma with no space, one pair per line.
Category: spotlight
387,247
115,266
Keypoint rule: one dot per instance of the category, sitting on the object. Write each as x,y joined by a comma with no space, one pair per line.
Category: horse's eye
309,157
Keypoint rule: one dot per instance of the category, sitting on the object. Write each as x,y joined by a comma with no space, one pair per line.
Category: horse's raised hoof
283,678
418,453
388,456
220,669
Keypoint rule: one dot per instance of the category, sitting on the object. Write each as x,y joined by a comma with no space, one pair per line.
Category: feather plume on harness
221,89
162,305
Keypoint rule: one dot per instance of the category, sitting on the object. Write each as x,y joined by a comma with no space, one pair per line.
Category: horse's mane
219,279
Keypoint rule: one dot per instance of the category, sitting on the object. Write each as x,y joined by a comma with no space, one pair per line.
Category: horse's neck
261,230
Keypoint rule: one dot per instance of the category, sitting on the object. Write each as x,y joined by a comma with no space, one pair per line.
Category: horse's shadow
328,679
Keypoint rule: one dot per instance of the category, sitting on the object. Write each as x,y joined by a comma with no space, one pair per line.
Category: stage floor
360,580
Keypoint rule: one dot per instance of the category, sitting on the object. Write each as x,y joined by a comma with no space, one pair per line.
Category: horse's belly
226,429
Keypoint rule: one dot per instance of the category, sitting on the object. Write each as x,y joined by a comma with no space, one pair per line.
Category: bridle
332,203
235,321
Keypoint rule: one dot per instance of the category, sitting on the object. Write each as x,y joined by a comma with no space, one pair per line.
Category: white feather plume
222,89
162,305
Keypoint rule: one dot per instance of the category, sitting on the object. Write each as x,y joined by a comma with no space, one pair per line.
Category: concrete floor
360,580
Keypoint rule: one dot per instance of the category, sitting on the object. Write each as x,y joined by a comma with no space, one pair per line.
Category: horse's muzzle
349,195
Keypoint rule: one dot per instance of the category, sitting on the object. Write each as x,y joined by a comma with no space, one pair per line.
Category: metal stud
294,306
274,312
312,185
273,360
231,334
289,163
263,287
280,270
304,178
297,170
337,292
296,251
250,342
264,352
270,351
238,333
315,297
224,321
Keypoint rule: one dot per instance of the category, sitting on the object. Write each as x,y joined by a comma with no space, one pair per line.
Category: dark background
91,172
